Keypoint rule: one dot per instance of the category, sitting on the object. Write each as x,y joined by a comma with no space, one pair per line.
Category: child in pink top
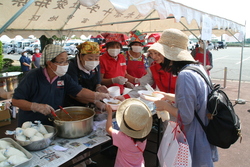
135,122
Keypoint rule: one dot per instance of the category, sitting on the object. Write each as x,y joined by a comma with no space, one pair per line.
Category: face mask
90,65
37,51
136,49
61,70
114,52
25,54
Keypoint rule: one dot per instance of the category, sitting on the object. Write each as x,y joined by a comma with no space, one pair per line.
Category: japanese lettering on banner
206,32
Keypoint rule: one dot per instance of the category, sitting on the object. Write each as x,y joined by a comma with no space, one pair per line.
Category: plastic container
114,91
17,146
147,95
126,90
114,103
150,105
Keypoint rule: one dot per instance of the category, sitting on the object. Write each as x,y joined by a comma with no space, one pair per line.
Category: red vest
165,81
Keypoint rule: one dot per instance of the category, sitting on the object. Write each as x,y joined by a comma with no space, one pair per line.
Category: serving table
62,150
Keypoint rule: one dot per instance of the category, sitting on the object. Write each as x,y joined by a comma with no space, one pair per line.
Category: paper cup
126,90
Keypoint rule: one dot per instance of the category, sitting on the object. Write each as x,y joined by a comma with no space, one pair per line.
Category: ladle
54,114
65,111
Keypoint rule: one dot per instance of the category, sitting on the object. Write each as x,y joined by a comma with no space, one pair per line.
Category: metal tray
28,154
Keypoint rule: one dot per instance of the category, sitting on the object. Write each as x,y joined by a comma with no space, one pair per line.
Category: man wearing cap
136,61
85,70
113,65
43,89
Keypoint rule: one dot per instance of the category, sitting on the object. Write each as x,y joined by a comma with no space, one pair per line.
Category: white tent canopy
69,17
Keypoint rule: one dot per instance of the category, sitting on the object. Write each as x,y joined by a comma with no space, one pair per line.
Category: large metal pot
81,123
8,82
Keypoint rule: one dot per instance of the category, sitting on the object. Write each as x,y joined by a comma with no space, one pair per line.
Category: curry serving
113,102
75,117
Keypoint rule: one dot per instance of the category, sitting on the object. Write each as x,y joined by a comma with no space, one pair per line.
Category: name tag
60,83
123,64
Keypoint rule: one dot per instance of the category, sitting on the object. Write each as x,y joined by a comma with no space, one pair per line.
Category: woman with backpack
190,95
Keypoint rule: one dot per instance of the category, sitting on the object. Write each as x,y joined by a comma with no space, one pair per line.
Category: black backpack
224,126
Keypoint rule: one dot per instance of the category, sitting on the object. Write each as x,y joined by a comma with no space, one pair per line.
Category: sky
237,10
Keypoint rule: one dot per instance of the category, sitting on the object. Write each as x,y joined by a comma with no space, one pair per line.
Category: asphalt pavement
227,64
237,154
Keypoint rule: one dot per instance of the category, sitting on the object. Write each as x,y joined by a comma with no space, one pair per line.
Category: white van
21,45
32,47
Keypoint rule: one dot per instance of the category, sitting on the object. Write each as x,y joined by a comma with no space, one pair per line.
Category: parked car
31,49
210,46
222,45
20,45
9,48
70,46
191,45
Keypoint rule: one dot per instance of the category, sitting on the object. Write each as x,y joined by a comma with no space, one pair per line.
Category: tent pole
142,21
6,25
188,29
205,53
238,100
234,36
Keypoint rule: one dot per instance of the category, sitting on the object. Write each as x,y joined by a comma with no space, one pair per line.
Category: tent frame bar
69,31
13,18
188,29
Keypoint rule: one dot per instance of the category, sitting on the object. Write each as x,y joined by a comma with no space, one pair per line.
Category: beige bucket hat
173,45
134,118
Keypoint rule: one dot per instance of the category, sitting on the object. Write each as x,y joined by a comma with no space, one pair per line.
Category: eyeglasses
62,62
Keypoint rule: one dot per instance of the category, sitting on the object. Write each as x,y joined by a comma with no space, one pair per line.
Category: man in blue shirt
25,62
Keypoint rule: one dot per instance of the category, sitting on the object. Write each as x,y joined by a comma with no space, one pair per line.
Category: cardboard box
5,117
